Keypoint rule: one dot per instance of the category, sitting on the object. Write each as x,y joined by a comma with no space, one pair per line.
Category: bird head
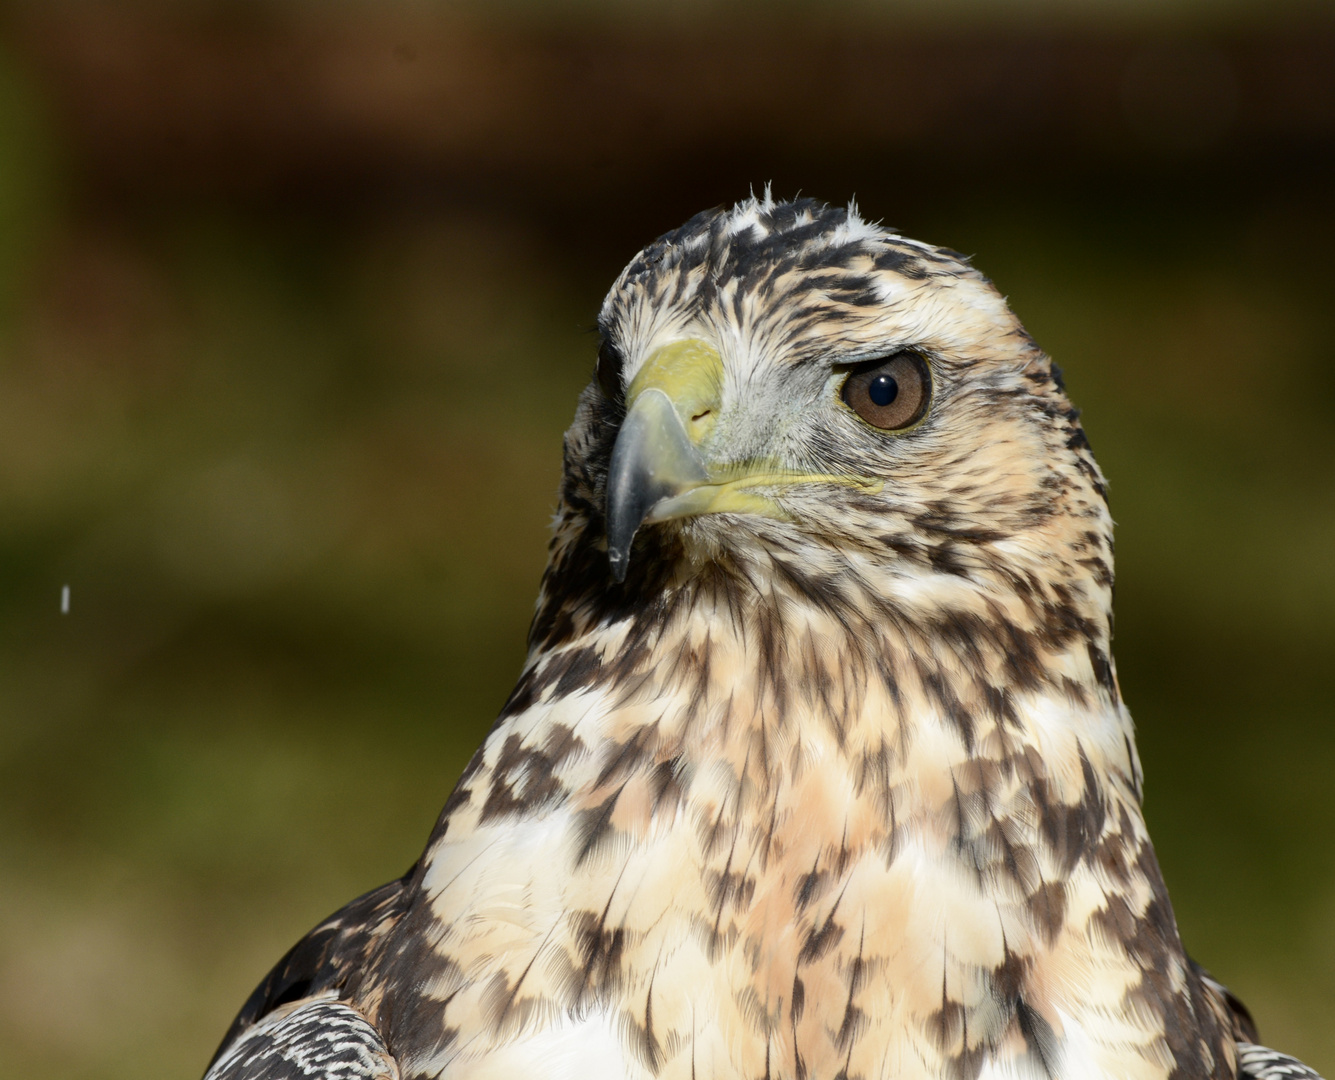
787,383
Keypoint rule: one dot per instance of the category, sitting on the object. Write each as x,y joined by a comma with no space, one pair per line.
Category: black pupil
883,389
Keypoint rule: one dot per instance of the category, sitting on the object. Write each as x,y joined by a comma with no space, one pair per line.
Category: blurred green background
295,301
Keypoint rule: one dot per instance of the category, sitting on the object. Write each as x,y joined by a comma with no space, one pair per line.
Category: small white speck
64,599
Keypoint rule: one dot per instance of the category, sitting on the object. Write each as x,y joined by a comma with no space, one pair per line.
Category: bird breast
722,866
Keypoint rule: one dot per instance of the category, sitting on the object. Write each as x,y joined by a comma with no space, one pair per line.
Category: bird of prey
817,768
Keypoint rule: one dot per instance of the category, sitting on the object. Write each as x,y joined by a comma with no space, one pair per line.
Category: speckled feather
849,793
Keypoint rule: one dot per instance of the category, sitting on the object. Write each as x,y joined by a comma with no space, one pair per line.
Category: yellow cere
690,374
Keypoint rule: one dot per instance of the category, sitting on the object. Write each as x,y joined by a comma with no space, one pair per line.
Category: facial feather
851,778
843,787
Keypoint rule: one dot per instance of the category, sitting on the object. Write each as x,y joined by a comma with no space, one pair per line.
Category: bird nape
817,767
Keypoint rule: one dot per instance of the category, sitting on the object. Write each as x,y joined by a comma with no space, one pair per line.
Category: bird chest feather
818,768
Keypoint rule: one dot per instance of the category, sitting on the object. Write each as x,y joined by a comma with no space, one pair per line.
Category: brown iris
890,393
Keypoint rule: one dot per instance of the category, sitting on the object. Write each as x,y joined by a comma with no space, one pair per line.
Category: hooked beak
662,466
672,406
653,462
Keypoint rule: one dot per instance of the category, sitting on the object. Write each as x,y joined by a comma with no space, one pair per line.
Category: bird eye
890,393
610,362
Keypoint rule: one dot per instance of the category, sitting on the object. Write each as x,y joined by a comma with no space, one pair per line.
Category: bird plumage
818,766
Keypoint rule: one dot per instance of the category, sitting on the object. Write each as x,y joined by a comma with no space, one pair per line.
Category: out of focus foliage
285,415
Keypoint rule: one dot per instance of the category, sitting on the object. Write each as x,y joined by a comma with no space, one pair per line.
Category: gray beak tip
652,459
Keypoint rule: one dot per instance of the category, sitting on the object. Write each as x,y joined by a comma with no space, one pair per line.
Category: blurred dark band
274,100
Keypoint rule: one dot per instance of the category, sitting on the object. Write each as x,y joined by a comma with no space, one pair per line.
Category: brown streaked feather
847,792
323,960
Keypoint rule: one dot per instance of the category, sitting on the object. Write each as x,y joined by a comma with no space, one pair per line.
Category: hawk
817,767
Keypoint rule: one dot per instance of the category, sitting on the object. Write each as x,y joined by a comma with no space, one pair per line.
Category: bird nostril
701,415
